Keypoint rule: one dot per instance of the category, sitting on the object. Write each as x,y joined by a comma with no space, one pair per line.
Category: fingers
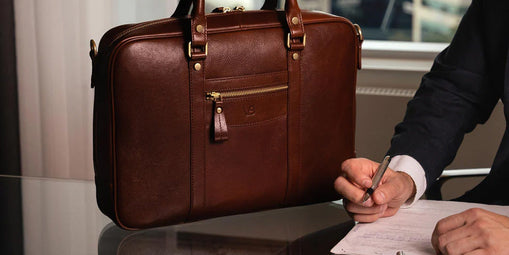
350,191
474,231
390,211
365,214
470,239
434,240
359,171
454,241
462,246
477,252
456,221
444,226
354,179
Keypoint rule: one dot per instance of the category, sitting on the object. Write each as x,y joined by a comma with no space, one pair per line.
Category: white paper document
408,231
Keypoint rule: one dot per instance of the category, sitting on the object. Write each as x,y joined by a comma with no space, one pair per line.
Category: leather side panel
102,139
328,107
151,105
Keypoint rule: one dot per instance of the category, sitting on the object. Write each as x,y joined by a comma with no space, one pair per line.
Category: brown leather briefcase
201,116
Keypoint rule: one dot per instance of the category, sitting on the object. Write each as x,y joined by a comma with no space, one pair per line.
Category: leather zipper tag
220,128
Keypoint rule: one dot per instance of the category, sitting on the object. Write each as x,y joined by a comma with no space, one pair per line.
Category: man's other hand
474,231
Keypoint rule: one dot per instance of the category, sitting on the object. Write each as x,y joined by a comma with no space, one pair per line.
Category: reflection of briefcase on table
305,230
225,113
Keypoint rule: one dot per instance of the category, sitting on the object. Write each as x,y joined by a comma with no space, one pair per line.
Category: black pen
377,178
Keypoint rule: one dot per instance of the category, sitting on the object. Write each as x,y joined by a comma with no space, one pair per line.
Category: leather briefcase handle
184,5
197,49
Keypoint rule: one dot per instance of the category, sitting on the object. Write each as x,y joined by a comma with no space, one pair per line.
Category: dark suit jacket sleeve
453,98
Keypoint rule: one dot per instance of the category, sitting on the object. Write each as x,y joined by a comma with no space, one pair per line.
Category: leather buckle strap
295,46
199,26
197,55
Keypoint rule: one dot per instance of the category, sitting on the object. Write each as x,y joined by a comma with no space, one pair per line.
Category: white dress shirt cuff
410,166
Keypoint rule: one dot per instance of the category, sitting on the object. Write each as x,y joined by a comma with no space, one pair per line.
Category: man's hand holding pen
394,189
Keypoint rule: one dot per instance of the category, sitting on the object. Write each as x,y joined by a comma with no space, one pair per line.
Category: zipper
139,26
247,92
220,131
161,21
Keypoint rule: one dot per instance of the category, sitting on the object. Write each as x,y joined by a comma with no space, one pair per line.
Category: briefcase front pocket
246,158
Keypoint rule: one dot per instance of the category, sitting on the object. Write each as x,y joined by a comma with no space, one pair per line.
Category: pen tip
365,197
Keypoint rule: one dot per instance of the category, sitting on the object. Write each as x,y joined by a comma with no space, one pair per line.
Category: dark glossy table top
55,216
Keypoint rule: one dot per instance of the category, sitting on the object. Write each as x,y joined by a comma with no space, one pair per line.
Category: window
398,20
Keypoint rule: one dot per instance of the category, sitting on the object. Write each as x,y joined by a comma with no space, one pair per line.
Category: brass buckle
189,47
288,38
93,49
359,32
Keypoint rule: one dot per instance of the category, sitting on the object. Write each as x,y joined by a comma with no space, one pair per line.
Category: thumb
397,188
385,193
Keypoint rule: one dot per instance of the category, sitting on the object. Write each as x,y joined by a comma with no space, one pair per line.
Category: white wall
55,98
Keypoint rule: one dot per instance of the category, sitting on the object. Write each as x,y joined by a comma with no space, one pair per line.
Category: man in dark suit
465,83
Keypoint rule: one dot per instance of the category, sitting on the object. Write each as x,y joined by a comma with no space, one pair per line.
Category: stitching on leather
259,123
244,77
253,81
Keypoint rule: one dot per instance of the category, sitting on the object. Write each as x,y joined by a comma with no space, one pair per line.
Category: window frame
399,55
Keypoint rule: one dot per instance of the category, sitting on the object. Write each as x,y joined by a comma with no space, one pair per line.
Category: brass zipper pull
213,96
220,128
239,8
222,10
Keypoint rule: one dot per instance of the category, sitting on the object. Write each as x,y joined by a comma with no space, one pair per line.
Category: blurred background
404,20
46,101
